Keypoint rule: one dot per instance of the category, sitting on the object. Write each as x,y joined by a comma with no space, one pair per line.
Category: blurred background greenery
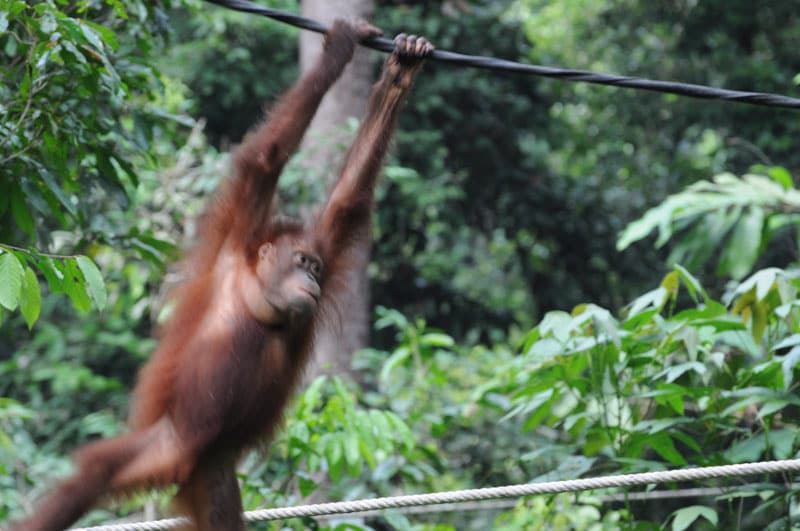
566,280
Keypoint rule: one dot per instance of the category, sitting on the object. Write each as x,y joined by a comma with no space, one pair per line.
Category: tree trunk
322,155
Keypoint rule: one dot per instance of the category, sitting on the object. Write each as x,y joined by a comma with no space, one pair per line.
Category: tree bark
347,99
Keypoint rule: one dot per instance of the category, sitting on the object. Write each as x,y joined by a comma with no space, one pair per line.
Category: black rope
566,74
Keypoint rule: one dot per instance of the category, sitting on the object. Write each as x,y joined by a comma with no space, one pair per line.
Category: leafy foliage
663,386
330,442
78,111
76,276
740,215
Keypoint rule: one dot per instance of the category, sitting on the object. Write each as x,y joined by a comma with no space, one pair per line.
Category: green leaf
91,36
662,444
670,374
367,453
687,516
759,322
365,428
102,423
788,365
17,7
556,323
653,426
437,340
51,183
94,279
670,394
107,171
306,483
109,37
166,248
352,455
654,299
149,251
765,279
75,52
791,341
48,23
334,457
771,407
382,428
659,216
11,279
538,407
741,251
691,283
128,169
30,301
782,442
52,273
402,431
781,176
687,440
299,433
388,317
397,358
595,442
747,450
545,349
75,286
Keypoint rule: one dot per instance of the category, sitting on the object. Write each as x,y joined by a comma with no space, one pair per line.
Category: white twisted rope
510,491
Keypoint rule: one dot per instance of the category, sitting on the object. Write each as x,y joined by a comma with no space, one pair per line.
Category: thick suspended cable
566,74
491,493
